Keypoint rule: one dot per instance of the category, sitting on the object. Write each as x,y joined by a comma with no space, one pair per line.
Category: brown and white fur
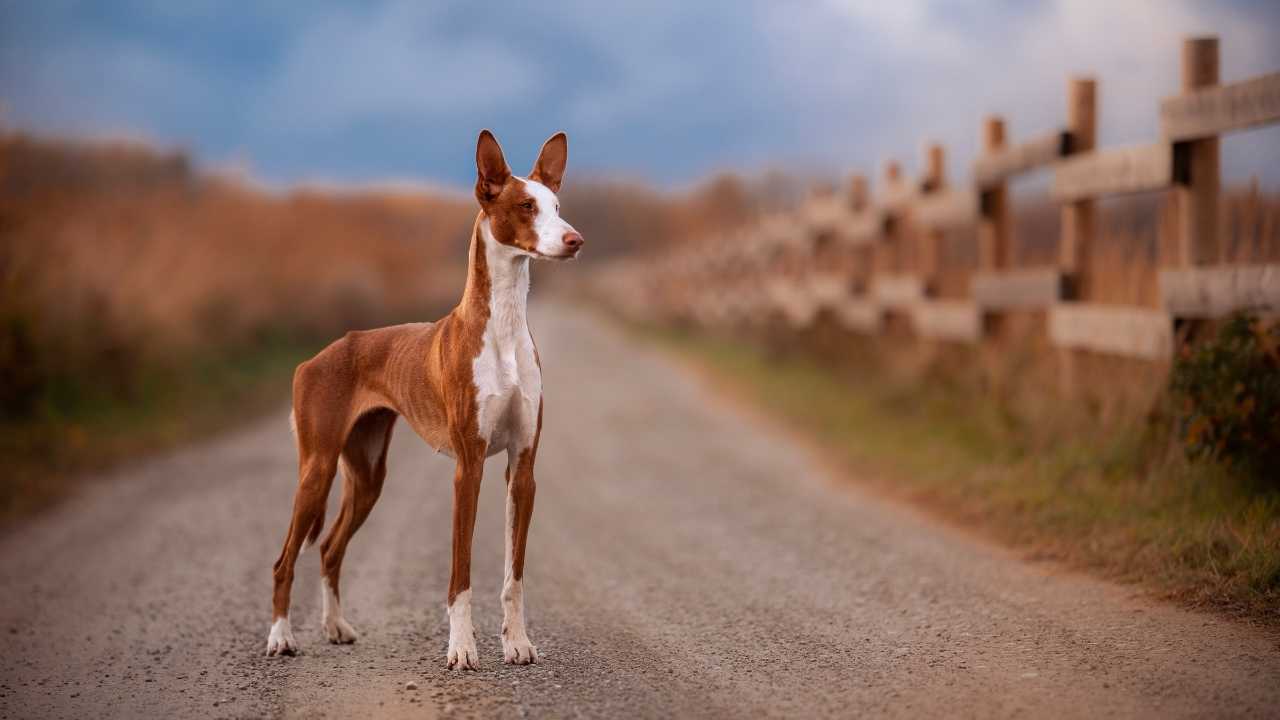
470,385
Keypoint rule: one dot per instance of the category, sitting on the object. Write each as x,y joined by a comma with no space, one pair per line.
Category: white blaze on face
550,228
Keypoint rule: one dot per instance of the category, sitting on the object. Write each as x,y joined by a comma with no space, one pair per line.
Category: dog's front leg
516,647
466,492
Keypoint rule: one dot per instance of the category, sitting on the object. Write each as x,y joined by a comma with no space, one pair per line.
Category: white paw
519,651
280,640
462,655
516,648
340,632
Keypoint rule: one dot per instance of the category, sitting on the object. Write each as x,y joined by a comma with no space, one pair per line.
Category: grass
145,303
1123,502
81,429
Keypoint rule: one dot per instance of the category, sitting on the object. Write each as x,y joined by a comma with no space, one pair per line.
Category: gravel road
684,561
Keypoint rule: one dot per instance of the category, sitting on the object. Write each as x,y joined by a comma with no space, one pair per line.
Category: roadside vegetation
1161,488
82,427
145,302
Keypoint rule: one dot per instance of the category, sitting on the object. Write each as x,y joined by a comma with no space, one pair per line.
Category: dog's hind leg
364,467
320,420
316,476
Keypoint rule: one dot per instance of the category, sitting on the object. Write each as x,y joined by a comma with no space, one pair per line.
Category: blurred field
1107,472
144,302
1101,484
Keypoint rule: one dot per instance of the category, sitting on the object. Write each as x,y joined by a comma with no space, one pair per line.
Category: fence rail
861,257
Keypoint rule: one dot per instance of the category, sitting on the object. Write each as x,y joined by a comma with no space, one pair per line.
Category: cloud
929,70
667,90
346,67
905,27
102,88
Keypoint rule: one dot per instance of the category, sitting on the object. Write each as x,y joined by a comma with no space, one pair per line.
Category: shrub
1227,392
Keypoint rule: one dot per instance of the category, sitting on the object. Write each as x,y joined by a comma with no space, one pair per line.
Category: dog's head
524,213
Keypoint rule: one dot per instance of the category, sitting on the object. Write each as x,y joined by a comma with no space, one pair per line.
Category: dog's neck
497,289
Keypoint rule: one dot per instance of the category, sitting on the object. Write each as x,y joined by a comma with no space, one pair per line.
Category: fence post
889,252
857,192
862,258
995,251
935,173
930,244
1197,200
1079,217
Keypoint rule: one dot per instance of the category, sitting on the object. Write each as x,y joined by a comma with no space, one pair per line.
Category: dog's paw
519,651
340,632
280,640
463,656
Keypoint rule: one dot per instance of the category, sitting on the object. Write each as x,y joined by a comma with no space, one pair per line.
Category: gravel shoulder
684,559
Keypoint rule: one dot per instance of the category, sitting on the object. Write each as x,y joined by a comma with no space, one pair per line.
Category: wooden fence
862,259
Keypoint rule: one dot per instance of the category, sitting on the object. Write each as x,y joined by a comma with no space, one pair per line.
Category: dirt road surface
684,561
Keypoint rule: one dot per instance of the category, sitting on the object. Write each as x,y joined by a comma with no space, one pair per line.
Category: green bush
1227,393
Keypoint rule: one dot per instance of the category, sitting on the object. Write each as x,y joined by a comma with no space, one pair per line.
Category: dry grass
1135,238
137,245
1099,487
139,298
980,433
142,300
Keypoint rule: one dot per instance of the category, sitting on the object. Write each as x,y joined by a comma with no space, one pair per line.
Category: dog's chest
508,387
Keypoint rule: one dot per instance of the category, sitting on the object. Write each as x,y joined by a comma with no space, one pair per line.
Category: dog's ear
491,167
549,168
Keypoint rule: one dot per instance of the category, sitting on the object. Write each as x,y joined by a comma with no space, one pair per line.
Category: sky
667,91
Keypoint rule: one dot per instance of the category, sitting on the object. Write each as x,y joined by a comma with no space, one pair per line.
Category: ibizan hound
470,385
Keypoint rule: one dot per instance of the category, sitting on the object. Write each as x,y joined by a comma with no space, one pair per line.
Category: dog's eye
527,204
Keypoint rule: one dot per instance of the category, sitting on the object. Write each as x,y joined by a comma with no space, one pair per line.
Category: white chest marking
506,375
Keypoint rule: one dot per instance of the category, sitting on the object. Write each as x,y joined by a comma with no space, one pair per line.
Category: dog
470,385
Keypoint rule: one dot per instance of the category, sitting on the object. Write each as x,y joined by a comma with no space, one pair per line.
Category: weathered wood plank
948,320
897,196
793,301
859,314
750,306
1197,199
947,209
1217,291
1019,289
710,310
897,290
824,214
866,226
990,169
1123,170
1112,330
1211,111
995,228
828,290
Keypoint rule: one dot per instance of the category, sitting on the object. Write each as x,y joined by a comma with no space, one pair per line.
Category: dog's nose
573,240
